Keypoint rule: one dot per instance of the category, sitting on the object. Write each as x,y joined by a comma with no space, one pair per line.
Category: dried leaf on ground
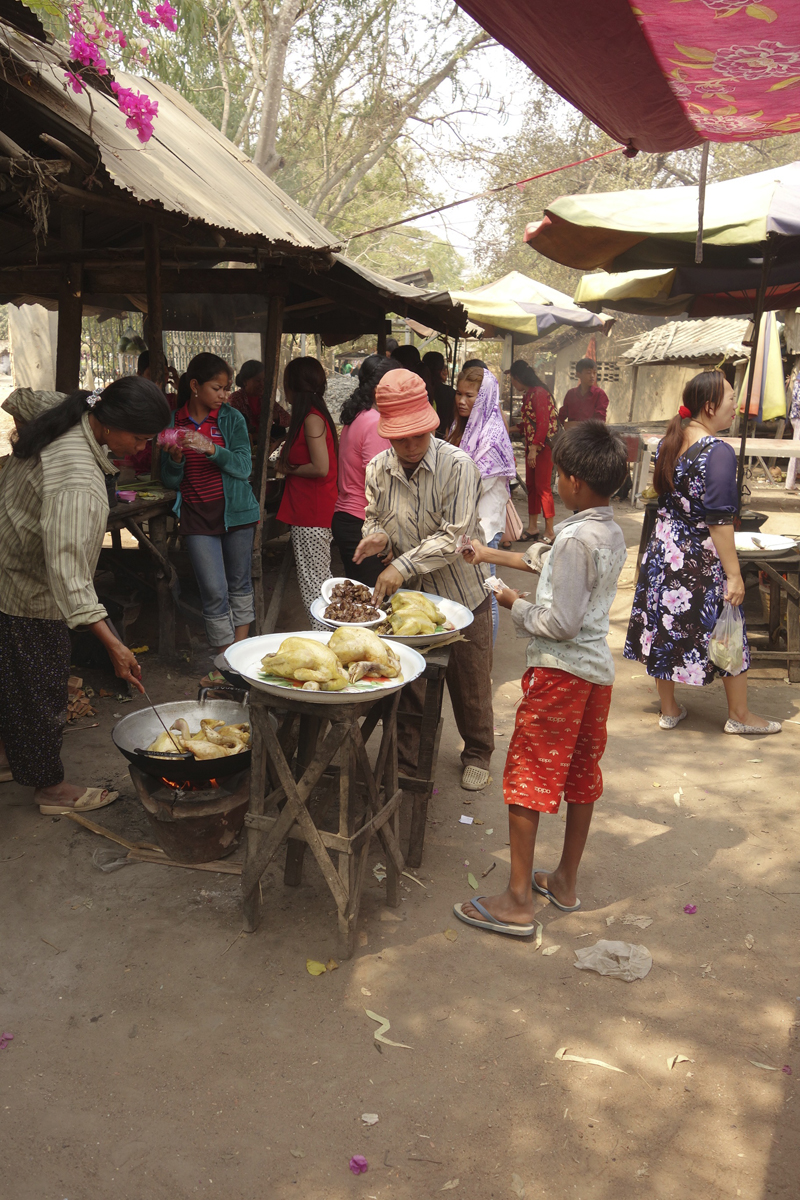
448,1187
749,941
365,992
315,968
332,964
763,1066
677,1058
517,1187
451,935
297,1154
550,950
370,1118
592,1062
384,1026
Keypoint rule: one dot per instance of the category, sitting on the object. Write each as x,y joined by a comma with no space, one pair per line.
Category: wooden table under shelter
146,521
783,573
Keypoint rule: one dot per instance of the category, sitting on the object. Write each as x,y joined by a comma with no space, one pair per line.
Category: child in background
209,465
560,731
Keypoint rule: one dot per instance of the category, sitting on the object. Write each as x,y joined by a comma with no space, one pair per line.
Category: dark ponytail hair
132,404
704,391
305,378
370,372
526,375
203,367
248,371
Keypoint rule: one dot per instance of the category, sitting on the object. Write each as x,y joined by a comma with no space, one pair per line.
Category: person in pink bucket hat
422,496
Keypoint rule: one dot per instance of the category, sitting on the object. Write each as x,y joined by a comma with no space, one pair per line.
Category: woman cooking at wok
422,495
54,501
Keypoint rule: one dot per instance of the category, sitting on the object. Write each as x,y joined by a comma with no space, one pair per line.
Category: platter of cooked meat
411,618
346,602
345,666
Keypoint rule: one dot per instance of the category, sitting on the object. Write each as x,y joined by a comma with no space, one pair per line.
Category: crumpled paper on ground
620,959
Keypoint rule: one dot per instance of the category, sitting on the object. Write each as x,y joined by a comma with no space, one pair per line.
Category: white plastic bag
623,960
726,650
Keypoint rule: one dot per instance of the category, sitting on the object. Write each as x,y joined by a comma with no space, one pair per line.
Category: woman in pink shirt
358,445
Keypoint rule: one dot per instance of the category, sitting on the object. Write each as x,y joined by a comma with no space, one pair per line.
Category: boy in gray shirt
560,731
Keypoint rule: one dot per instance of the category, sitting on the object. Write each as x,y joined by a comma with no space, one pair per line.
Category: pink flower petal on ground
358,1164
787,1070
691,909
5,1038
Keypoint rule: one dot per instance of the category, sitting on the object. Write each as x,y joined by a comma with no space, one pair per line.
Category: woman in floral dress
690,566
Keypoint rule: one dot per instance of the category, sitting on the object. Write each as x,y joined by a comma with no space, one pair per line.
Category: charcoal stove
195,822
196,807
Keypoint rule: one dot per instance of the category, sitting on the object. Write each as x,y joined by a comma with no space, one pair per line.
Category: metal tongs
171,754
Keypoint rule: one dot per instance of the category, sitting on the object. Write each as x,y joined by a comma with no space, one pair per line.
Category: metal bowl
245,658
134,733
458,614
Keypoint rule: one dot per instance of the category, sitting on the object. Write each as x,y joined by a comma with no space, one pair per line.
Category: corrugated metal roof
691,340
187,165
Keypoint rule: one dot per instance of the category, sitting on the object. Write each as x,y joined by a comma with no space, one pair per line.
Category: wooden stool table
769,654
420,785
305,756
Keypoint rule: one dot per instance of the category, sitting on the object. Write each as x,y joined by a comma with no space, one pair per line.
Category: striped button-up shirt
424,516
53,516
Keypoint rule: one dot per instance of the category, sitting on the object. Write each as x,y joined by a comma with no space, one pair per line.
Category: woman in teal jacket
209,464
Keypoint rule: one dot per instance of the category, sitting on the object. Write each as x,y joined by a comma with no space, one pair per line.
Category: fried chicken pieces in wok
214,739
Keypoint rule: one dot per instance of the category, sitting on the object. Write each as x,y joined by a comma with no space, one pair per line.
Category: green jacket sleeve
234,458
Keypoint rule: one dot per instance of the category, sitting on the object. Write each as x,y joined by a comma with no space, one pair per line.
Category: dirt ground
156,1054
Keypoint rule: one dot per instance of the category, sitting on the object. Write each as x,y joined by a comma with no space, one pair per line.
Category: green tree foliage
328,97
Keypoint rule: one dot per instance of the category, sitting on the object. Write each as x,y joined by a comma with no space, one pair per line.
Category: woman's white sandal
665,722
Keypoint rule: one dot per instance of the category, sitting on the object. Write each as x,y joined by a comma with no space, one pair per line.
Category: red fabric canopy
664,76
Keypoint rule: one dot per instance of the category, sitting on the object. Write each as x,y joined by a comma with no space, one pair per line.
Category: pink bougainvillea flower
75,81
144,16
358,1164
166,15
787,1070
691,909
5,1038
140,110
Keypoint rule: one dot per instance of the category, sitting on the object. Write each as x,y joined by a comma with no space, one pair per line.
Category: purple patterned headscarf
486,438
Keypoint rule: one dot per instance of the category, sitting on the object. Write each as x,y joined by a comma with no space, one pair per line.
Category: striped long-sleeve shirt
53,516
424,516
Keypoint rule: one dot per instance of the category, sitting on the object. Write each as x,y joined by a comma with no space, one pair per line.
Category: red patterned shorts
558,741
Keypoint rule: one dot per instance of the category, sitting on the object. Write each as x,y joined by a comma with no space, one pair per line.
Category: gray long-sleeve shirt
569,621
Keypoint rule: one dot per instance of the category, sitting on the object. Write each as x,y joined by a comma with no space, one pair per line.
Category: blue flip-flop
548,895
491,924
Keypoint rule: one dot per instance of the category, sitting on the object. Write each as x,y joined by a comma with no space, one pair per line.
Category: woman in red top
539,426
309,462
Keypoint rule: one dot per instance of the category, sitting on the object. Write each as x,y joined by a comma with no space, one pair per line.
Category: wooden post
70,305
271,354
153,330
382,331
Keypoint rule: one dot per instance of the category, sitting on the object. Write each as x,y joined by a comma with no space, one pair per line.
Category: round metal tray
245,658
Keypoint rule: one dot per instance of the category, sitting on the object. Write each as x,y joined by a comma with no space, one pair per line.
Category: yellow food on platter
364,654
351,654
214,739
418,601
308,662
